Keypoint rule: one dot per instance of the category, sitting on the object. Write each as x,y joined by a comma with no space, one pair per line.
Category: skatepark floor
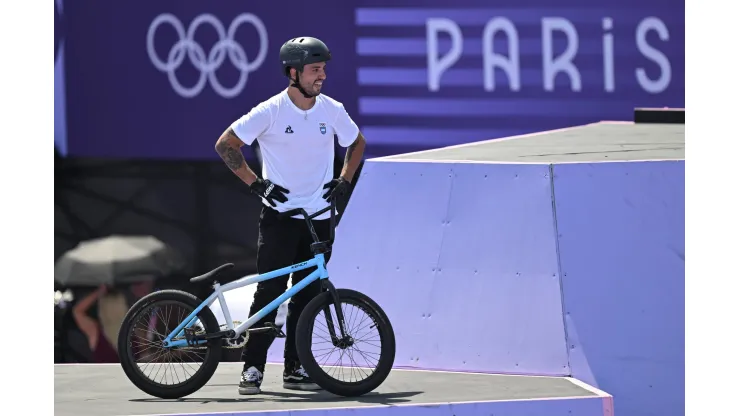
104,389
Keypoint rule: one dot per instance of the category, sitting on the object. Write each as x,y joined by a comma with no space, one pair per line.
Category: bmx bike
180,338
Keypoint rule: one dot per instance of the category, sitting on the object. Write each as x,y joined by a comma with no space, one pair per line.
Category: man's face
312,78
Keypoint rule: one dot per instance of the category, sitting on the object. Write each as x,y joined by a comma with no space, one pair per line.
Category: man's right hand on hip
268,190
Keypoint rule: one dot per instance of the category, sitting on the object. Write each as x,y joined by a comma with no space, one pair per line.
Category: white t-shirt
298,146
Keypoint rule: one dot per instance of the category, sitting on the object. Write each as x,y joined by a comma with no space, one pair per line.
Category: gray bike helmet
301,51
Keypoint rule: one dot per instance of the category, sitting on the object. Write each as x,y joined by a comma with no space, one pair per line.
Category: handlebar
308,218
303,212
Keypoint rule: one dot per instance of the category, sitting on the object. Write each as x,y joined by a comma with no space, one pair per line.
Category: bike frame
218,294
320,273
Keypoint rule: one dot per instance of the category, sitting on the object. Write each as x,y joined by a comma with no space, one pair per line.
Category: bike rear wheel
324,362
146,325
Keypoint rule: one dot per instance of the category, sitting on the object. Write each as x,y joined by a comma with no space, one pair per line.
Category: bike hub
344,342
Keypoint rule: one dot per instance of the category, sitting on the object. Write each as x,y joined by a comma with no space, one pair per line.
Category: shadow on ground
302,397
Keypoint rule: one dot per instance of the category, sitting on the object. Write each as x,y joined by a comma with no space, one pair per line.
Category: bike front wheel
369,351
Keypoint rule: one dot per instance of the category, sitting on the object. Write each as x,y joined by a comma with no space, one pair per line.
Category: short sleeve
345,127
252,125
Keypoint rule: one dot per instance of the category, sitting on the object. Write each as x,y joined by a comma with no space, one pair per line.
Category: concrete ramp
552,254
462,257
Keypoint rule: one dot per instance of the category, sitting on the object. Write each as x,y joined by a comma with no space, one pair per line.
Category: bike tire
303,336
210,363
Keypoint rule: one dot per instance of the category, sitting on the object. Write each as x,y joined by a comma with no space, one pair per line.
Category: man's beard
311,89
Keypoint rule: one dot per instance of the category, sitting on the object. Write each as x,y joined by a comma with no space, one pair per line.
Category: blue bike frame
318,261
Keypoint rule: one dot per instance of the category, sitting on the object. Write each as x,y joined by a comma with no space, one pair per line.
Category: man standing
295,130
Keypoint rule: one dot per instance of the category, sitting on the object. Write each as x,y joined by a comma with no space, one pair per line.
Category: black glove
336,188
268,190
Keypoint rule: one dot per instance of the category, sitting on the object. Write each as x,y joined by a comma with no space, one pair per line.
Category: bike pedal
278,332
269,327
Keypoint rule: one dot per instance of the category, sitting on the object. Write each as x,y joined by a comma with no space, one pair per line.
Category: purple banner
164,79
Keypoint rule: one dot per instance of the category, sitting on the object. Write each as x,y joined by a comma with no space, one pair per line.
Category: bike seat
213,273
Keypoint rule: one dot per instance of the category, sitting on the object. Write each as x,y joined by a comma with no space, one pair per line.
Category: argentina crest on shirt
322,127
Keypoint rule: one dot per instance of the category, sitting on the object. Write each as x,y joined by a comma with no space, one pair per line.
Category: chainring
238,342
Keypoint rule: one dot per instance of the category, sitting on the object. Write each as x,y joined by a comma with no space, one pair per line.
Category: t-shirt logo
289,130
322,127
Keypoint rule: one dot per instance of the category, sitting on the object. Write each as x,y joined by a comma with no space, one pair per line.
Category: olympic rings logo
207,65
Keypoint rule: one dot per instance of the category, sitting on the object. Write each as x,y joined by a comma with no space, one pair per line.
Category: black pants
281,243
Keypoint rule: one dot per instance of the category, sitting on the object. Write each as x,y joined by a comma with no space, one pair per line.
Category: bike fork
328,286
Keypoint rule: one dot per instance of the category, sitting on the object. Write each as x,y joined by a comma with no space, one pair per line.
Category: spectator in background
139,290
102,334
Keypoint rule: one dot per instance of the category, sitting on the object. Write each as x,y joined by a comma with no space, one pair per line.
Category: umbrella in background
117,260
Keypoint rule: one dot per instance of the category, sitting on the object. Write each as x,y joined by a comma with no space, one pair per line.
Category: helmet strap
297,84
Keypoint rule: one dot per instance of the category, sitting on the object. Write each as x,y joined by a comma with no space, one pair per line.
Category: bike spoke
167,366
350,364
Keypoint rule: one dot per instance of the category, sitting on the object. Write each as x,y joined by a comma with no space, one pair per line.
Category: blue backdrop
163,79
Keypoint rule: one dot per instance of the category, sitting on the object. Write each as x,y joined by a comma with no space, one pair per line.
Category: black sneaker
251,381
298,379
